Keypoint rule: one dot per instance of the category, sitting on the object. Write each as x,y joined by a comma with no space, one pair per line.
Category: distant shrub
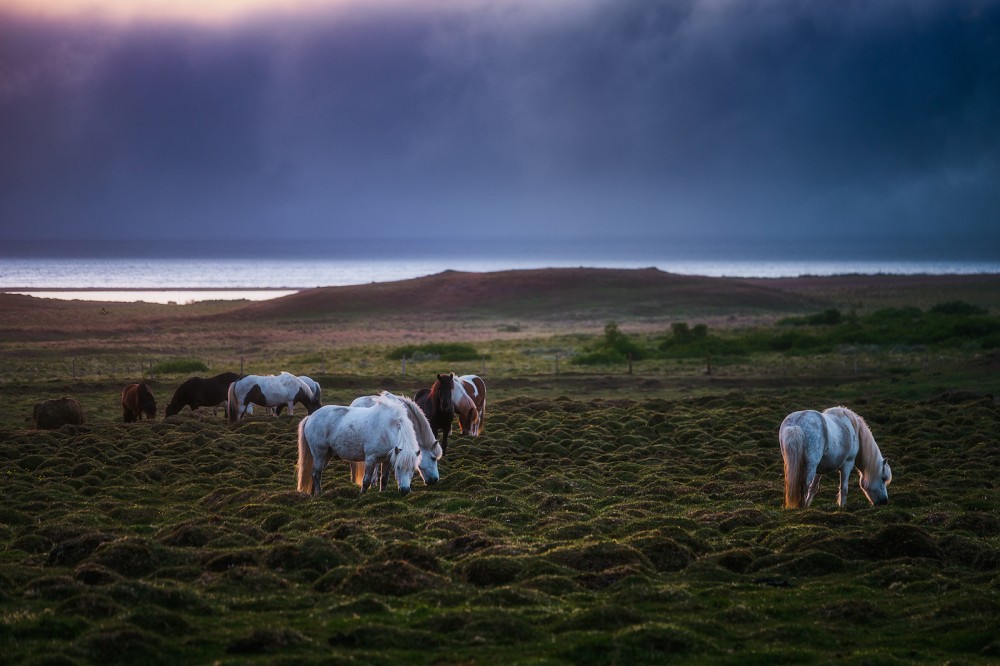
603,357
179,366
828,317
614,347
445,351
957,308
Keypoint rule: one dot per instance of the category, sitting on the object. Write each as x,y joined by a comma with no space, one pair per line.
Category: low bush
445,351
179,366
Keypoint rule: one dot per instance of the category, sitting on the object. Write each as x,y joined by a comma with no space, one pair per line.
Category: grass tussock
575,530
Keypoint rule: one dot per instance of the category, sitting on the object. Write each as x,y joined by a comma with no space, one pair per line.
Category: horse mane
869,455
405,460
417,415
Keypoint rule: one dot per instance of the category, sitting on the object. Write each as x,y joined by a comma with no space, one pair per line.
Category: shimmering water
184,280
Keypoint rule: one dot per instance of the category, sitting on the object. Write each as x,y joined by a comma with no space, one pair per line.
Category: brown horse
438,406
137,399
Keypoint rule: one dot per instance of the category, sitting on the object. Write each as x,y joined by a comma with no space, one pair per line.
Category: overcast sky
741,121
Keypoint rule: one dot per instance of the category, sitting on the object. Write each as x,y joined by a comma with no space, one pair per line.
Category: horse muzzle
404,491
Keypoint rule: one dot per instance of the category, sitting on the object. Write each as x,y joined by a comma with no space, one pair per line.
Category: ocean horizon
186,280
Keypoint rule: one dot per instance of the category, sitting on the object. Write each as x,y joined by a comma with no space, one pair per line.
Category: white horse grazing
814,443
376,434
268,391
430,450
313,385
469,397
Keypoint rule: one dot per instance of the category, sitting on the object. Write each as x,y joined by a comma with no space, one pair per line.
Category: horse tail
305,464
358,473
792,446
232,412
482,413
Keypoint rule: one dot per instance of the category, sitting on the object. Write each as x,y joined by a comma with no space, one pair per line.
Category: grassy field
602,517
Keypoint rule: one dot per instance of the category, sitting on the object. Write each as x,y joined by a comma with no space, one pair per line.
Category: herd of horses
386,433
377,434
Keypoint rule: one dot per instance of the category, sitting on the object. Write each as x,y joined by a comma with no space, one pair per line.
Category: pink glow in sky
197,11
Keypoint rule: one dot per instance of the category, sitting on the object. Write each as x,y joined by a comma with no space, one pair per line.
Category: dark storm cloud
748,120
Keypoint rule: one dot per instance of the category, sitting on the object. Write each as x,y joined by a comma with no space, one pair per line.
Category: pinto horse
469,397
438,405
137,399
815,443
312,384
268,391
197,392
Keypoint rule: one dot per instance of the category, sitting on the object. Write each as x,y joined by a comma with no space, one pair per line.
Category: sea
174,271
188,280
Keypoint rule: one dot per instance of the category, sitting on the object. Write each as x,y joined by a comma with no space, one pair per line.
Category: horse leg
845,477
445,431
320,459
812,487
370,467
384,477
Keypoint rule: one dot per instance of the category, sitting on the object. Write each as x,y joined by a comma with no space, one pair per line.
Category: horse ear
398,450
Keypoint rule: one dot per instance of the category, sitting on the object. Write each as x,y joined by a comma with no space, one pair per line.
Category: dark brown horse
53,414
198,392
438,406
137,399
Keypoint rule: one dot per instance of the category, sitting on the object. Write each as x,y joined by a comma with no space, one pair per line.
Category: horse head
443,389
873,483
174,407
309,399
428,449
404,461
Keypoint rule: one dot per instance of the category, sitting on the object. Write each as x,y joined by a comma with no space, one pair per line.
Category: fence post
74,368
403,362
241,365
630,363
709,371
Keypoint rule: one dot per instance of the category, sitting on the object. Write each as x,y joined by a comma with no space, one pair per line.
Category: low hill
551,293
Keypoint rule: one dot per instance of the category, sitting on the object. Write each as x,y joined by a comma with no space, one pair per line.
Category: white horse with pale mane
816,443
430,449
381,433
